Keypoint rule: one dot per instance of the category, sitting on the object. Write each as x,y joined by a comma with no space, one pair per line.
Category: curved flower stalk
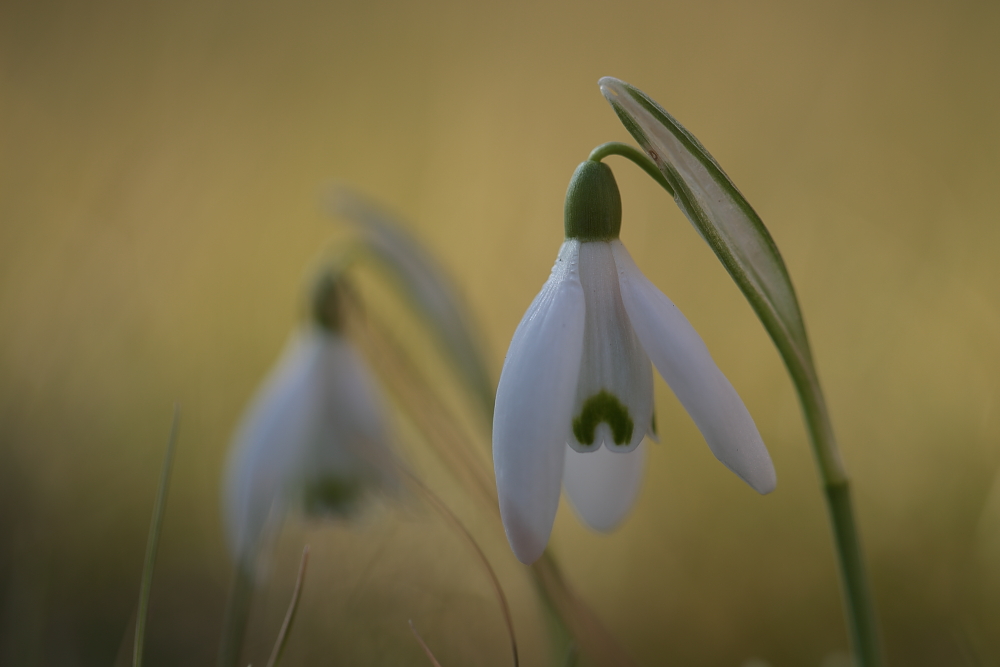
575,398
417,277
314,436
734,231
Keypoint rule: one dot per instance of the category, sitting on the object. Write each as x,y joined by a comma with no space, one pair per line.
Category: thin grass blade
153,541
293,605
423,645
453,521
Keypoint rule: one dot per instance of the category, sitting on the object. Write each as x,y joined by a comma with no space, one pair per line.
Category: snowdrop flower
314,436
575,398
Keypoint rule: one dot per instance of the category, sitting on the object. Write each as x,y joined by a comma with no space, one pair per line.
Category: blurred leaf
428,290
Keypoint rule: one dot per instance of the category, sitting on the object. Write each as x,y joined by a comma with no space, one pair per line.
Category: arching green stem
634,154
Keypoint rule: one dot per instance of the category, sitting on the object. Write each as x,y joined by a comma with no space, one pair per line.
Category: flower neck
593,210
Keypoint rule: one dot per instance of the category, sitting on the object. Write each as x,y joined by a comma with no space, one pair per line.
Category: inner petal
614,394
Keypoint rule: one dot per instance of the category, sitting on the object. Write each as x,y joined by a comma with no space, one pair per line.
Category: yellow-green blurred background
161,172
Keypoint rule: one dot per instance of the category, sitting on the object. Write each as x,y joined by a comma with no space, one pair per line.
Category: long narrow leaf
734,231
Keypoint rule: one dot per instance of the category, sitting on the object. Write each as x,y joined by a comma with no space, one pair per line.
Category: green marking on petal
603,407
333,495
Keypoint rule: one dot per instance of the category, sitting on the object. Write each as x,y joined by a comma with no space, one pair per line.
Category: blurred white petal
314,431
682,359
602,485
534,402
270,441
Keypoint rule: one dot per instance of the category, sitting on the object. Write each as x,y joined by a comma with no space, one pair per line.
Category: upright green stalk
153,542
859,606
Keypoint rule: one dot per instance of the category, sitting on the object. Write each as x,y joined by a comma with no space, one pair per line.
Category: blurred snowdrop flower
314,436
575,397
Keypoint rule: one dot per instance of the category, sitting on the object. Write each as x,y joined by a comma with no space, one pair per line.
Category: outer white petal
679,354
602,485
531,421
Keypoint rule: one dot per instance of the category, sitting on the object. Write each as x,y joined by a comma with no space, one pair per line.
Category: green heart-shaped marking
603,407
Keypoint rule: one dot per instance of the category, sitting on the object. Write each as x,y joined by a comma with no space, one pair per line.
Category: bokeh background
162,167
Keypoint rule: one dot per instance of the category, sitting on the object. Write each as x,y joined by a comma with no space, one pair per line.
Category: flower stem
859,606
862,622
634,154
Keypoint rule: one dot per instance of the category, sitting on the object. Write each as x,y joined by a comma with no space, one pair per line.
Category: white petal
615,388
534,402
602,485
679,354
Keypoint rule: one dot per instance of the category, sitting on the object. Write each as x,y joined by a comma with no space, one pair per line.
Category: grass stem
279,644
153,541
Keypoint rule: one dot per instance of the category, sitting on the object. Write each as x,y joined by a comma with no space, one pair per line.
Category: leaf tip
610,86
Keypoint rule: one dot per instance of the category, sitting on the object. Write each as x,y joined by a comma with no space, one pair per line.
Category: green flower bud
593,210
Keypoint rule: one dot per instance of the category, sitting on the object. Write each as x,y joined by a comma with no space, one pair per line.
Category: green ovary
603,407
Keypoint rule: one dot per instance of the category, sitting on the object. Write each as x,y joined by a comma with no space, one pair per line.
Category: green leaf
734,231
